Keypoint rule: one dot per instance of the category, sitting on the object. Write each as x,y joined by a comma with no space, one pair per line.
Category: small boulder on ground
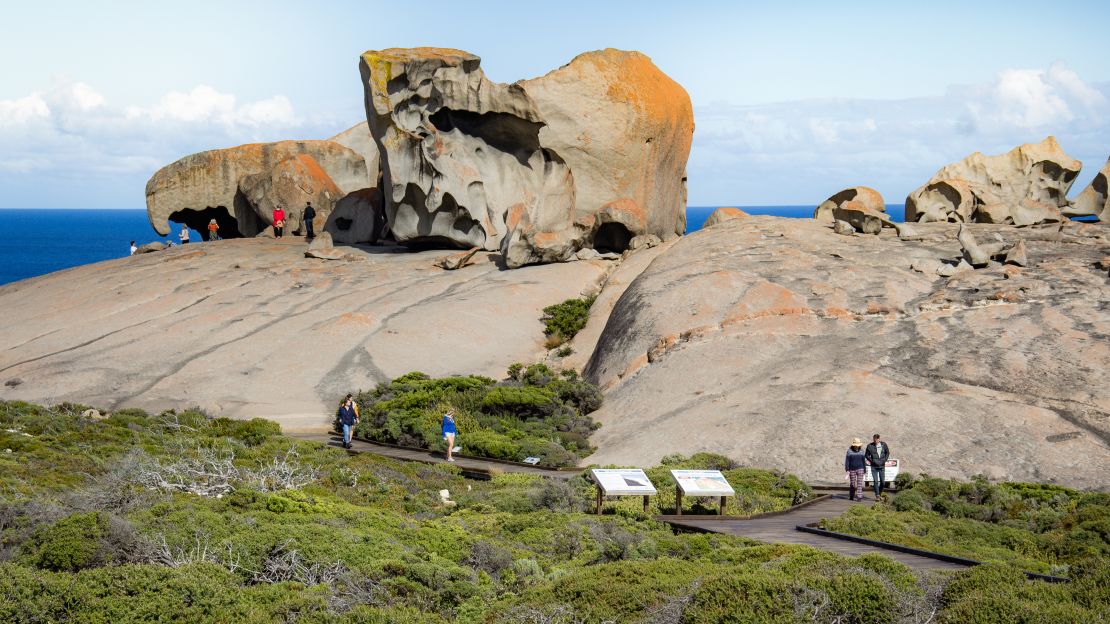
721,215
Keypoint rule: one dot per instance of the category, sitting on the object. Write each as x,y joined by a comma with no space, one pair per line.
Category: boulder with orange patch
591,153
291,184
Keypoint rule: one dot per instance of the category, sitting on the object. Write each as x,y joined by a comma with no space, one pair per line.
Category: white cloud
68,138
802,152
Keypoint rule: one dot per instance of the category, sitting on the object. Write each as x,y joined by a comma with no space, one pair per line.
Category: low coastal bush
563,321
369,539
1038,527
536,412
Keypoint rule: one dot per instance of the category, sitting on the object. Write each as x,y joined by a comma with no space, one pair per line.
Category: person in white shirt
133,248
184,235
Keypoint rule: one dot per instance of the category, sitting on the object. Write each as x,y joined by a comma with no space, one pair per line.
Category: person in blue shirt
348,417
449,432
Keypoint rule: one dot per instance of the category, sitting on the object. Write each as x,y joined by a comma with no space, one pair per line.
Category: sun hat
857,442
212,221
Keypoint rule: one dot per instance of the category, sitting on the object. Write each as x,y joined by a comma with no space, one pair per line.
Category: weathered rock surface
721,215
358,138
1095,199
250,327
1027,185
591,154
358,217
205,186
291,184
860,207
776,341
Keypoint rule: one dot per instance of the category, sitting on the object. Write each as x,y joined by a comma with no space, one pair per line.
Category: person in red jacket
279,221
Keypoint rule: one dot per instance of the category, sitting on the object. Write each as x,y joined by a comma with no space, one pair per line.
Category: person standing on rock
449,432
348,418
854,466
213,230
133,249
184,235
876,455
279,221
309,215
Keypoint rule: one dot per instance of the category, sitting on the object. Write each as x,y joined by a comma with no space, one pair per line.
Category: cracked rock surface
250,327
775,341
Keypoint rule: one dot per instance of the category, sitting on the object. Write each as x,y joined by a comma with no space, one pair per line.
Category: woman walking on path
348,418
854,466
449,432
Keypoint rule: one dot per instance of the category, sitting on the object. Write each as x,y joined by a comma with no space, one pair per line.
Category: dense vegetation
536,412
562,321
179,517
1041,528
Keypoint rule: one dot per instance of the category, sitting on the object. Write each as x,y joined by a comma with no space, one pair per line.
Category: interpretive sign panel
623,481
889,473
702,483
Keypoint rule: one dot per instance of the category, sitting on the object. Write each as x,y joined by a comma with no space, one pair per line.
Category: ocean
35,242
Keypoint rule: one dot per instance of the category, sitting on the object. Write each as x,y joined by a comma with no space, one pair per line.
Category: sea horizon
38,241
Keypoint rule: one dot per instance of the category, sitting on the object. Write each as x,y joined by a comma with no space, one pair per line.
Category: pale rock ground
250,327
776,341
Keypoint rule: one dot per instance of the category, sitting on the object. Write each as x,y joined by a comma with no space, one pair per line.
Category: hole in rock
501,131
343,223
1099,184
198,220
613,237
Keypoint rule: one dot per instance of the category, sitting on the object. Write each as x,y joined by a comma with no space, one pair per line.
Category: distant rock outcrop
1027,185
1094,200
589,155
239,186
860,206
721,215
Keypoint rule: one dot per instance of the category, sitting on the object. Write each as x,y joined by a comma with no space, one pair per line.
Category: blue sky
792,102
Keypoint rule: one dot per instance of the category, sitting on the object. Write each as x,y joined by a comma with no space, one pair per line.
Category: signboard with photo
623,481
702,483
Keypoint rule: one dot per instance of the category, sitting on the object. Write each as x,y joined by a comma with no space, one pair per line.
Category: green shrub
251,432
564,320
538,412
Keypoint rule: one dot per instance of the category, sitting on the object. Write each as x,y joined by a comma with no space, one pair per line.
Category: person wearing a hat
213,230
854,465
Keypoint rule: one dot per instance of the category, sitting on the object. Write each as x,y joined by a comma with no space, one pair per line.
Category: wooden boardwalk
781,529
470,466
775,528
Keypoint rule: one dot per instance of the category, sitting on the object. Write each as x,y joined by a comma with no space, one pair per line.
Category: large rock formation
291,184
1094,200
775,341
1027,185
251,327
215,184
589,155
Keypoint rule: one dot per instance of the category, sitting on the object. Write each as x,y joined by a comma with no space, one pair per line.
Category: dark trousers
308,229
277,231
878,474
